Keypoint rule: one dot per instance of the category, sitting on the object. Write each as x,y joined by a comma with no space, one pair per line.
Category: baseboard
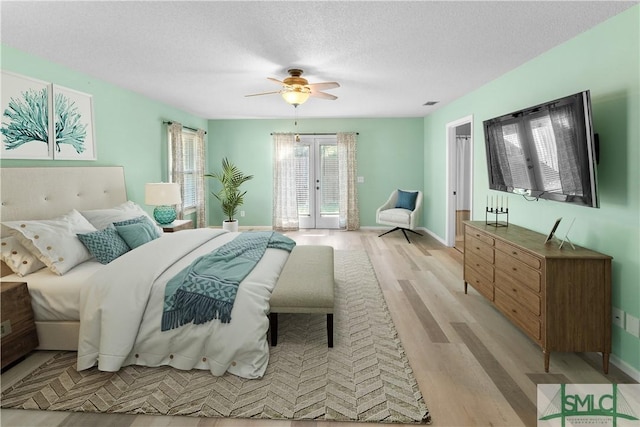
625,367
429,232
432,234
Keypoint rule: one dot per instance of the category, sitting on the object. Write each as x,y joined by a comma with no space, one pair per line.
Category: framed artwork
553,230
73,125
25,128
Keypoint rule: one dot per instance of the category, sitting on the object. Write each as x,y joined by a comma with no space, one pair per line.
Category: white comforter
121,311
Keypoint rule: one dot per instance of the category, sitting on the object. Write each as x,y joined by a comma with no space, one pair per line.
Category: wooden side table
177,225
19,334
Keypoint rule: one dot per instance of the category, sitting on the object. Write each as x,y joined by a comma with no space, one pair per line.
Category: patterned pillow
137,234
141,220
18,258
54,241
106,245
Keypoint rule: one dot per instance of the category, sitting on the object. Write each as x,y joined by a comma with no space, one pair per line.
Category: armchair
402,211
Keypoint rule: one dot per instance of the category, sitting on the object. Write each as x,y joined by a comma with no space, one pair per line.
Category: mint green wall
606,61
128,127
389,156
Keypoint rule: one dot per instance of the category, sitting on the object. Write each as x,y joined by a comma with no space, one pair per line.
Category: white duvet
121,311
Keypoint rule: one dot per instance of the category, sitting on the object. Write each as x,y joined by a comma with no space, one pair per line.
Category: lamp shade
162,194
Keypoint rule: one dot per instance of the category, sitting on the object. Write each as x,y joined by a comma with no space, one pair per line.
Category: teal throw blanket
207,288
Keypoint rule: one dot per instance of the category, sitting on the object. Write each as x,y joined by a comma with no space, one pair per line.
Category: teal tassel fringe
196,309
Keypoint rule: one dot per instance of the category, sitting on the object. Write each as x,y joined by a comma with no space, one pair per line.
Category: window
189,170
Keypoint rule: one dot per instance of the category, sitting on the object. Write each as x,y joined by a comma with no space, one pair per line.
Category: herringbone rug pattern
365,377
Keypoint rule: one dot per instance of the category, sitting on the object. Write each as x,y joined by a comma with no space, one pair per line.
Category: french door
317,181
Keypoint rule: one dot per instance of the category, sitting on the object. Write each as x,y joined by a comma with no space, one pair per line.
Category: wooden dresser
560,298
19,334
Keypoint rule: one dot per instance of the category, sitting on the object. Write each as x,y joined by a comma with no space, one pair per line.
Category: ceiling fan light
295,97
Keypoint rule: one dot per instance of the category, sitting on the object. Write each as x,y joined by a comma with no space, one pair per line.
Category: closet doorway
460,179
317,187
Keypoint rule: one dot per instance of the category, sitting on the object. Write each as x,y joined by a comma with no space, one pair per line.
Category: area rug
364,377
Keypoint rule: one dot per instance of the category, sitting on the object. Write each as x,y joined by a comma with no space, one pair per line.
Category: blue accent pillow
141,219
106,245
137,234
407,200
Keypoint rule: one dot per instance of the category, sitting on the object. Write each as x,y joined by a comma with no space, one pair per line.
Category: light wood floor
473,367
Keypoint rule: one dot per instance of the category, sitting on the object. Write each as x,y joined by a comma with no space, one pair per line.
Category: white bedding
54,297
121,310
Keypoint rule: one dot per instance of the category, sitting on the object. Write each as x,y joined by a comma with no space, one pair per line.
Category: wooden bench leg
273,325
330,329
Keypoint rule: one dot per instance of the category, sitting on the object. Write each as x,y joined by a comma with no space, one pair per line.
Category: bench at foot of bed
304,286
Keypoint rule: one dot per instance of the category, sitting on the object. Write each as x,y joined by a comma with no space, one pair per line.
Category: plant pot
230,225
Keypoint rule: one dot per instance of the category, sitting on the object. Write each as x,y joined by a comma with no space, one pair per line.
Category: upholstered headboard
48,192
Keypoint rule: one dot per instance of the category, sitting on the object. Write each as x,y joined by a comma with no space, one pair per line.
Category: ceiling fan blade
275,80
323,85
323,95
263,93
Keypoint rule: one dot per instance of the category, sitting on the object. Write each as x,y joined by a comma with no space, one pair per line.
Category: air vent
430,103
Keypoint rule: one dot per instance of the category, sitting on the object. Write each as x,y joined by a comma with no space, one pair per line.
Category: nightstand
177,225
19,334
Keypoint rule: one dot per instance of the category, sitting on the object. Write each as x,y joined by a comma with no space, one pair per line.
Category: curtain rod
302,133
186,127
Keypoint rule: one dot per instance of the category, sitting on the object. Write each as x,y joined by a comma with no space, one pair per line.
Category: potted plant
229,195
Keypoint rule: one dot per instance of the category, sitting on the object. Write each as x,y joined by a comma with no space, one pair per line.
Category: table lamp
163,196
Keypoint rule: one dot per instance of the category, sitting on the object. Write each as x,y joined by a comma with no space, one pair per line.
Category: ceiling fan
296,89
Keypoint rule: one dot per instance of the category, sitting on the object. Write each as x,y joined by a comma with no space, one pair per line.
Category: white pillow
18,258
54,241
102,218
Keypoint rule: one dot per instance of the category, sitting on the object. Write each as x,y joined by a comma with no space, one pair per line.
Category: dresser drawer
521,294
519,254
480,265
479,282
529,323
478,248
518,271
479,235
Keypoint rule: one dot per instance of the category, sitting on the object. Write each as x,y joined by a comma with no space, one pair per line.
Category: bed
120,304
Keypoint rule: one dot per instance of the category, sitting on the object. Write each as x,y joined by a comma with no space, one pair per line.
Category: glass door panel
317,182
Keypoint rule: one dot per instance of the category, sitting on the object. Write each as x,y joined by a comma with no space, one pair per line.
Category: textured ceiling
390,57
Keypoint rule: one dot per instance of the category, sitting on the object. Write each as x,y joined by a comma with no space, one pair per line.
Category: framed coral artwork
73,125
41,120
25,118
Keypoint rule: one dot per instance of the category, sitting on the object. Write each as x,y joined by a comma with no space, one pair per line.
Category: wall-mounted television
548,151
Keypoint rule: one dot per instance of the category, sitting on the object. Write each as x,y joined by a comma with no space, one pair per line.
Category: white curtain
464,169
201,214
285,203
177,162
349,215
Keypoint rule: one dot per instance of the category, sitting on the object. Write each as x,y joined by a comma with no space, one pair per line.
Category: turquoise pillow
137,234
407,200
138,220
106,245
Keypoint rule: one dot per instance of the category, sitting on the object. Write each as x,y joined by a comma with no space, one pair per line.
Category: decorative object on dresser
496,210
560,299
177,225
163,195
552,233
19,334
